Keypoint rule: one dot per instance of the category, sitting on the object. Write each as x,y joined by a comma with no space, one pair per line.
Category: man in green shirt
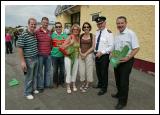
58,37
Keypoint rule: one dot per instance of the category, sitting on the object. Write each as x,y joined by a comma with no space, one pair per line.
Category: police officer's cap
100,19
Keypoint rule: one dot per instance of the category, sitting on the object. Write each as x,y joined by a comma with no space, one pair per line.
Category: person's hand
83,55
125,59
24,66
99,54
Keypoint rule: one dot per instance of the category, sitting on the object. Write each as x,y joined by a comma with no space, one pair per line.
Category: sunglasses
58,27
86,27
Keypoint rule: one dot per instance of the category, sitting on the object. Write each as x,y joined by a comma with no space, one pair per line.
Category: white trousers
71,76
86,68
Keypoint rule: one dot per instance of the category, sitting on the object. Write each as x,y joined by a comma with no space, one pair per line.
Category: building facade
141,19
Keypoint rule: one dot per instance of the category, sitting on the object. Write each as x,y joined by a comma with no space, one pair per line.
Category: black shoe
40,90
50,87
98,86
102,92
120,106
114,95
62,85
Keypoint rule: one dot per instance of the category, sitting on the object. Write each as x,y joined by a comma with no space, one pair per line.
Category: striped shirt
28,42
44,42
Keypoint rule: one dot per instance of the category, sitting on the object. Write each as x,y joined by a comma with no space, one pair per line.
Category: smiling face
32,25
75,30
121,24
101,25
86,28
58,28
45,24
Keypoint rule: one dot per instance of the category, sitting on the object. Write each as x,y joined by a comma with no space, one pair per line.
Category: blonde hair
76,25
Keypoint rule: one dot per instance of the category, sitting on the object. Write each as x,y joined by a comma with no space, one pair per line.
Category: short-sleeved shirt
57,40
106,41
127,37
28,42
44,42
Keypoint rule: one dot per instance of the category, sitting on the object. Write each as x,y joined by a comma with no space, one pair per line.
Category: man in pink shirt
8,39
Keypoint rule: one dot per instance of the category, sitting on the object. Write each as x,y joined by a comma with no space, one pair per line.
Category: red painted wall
142,65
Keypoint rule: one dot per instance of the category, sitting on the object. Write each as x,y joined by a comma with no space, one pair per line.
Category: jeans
30,82
58,75
44,80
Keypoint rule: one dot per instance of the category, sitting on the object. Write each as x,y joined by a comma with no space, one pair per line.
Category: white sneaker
69,90
35,91
74,88
29,97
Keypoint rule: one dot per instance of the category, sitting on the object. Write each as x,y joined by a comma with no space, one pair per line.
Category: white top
106,41
127,37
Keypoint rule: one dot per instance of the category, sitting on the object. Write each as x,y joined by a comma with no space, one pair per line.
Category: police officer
123,70
103,47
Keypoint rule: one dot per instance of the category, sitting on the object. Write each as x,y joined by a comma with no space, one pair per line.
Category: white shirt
127,37
106,41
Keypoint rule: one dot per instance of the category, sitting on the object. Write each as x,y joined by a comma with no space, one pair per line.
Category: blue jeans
58,75
44,80
30,82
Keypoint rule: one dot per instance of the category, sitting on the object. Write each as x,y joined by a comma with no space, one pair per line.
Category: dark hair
90,27
45,18
122,17
58,23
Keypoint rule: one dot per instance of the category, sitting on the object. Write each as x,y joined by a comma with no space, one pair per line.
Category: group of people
40,49
9,40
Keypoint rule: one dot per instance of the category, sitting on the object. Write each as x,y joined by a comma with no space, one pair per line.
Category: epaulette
109,31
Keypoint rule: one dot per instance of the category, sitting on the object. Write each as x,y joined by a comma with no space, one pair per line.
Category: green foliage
117,55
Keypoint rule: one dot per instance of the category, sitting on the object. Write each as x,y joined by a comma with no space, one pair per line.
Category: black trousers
102,64
8,47
122,73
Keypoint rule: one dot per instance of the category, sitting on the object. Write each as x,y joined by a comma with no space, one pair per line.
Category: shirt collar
125,31
57,34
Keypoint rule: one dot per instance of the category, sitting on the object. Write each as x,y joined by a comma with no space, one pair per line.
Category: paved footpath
141,93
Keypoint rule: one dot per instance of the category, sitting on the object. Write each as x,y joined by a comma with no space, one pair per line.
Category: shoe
82,86
50,87
74,88
35,91
86,87
40,90
120,106
83,90
63,85
114,95
97,86
29,97
102,92
69,90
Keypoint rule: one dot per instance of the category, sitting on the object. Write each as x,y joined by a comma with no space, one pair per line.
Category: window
94,16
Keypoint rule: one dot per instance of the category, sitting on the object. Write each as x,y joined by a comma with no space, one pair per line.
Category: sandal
82,86
69,90
83,90
86,87
74,88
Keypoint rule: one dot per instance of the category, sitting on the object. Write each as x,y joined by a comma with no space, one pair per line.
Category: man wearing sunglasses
58,38
103,47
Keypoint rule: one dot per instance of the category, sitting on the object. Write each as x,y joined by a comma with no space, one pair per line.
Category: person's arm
132,54
68,42
23,62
